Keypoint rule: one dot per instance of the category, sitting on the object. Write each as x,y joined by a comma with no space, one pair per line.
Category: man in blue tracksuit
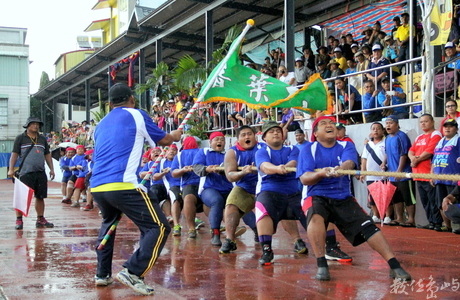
119,140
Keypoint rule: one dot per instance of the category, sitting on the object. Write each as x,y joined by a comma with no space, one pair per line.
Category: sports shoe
103,281
83,199
336,254
19,224
66,201
88,207
444,229
42,222
198,223
222,228
323,274
215,240
267,257
177,230
75,204
192,234
400,273
227,246
300,247
387,220
240,230
375,219
170,220
135,282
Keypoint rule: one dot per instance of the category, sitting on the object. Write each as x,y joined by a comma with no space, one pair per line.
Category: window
3,111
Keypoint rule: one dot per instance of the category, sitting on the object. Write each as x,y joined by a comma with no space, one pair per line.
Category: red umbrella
382,192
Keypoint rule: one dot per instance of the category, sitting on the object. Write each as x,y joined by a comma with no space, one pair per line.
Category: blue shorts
65,179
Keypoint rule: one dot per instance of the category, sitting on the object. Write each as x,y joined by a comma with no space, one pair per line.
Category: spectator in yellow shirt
340,59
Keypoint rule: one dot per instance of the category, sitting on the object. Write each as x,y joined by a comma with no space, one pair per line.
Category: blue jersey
381,97
445,158
245,158
64,163
217,181
395,147
316,156
182,159
285,184
76,161
157,169
84,169
119,140
168,180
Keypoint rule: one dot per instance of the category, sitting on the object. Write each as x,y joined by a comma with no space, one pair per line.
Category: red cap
189,143
173,146
80,146
157,148
313,137
89,152
70,149
215,134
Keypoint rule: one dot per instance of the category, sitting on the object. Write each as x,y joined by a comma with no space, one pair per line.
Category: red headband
313,137
215,134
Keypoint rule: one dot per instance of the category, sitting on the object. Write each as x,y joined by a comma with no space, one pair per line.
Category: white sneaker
134,282
375,219
75,204
387,220
103,281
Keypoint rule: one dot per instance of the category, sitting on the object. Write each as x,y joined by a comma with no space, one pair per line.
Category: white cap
354,45
449,45
376,47
299,59
337,49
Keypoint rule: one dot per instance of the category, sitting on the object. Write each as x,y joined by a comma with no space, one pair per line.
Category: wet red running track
59,263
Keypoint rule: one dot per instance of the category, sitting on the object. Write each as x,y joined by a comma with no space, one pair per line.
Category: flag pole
221,65
210,81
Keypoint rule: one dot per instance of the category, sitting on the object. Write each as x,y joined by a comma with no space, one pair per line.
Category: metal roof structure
177,28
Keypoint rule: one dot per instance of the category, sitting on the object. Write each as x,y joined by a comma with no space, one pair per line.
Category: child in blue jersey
155,186
89,165
80,186
397,145
172,205
119,141
64,163
182,168
241,200
278,195
76,161
214,186
329,198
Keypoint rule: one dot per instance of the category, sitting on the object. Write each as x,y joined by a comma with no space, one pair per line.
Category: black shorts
38,181
175,195
346,214
279,207
192,189
159,192
73,178
405,192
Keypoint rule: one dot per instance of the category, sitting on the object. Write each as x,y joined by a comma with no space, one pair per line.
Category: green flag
234,82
